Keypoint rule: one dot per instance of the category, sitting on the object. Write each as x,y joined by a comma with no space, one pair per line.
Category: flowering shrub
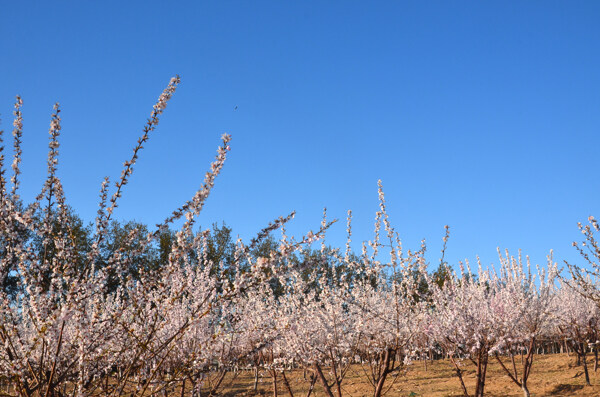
476,316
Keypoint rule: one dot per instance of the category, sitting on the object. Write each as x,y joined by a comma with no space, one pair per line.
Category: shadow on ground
565,390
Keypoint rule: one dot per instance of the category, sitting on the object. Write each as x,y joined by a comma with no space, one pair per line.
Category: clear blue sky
481,115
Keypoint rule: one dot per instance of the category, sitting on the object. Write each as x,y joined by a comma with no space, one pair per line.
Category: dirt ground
551,375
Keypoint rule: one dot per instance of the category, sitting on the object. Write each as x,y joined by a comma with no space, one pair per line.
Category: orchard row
113,310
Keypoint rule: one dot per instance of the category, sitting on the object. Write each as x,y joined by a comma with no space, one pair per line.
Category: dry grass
552,375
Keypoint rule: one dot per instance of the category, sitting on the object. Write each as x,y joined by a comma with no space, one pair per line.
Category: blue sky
480,115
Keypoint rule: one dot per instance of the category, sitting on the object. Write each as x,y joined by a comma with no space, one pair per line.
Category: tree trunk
313,380
525,390
527,368
214,389
286,384
585,368
482,361
459,374
274,375
323,379
389,353
255,386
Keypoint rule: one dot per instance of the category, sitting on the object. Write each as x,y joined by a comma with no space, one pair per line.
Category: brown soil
552,375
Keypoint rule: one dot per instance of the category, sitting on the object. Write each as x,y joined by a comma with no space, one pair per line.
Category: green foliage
128,240
441,275
70,231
